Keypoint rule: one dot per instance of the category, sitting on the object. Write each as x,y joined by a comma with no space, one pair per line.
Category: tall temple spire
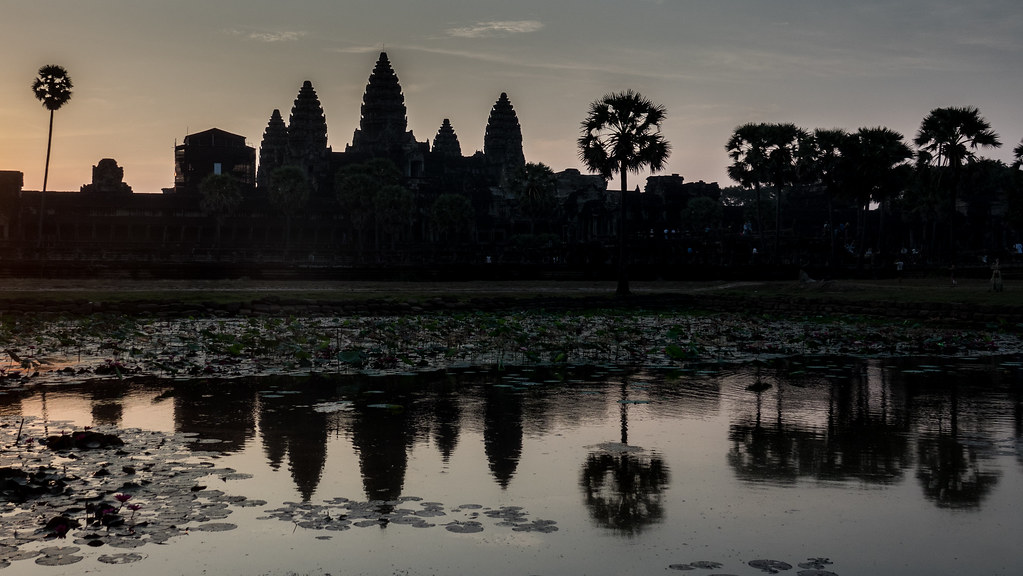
446,142
502,144
383,125
307,135
273,150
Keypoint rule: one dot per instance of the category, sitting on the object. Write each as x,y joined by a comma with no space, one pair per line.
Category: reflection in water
953,473
382,434
502,431
289,427
876,422
623,487
624,490
221,413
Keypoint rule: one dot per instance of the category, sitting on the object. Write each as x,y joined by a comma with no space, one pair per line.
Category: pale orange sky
148,73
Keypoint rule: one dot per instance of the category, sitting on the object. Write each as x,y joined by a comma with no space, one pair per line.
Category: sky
148,72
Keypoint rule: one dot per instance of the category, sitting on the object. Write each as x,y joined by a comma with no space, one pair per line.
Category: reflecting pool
843,466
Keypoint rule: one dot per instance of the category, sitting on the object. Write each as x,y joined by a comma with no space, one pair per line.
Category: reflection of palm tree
952,473
623,486
52,87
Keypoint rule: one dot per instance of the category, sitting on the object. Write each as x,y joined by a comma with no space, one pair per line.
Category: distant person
899,264
996,277
952,275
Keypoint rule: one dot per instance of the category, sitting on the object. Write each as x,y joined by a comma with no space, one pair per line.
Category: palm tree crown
949,136
622,133
52,87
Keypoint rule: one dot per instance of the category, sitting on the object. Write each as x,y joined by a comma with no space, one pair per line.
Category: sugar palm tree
948,139
52,87
535,187
747,147
622,134
875,169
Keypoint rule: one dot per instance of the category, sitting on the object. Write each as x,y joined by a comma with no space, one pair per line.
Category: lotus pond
799,465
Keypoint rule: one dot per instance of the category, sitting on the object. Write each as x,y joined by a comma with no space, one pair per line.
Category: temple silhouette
107,227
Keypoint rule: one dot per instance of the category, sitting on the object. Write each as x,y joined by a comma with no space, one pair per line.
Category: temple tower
273,150
502,144
307,137
383,127
445,143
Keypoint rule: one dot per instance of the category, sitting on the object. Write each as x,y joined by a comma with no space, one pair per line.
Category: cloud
269,36
495,28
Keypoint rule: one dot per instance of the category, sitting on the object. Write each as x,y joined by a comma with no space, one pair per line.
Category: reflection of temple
214,411
290,429
502,432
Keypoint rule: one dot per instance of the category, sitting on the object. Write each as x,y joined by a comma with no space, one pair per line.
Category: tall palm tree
948,139
622,134
747,147
875,170
52,87
535,187
785,142
823,160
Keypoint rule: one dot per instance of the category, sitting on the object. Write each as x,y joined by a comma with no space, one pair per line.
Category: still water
880,466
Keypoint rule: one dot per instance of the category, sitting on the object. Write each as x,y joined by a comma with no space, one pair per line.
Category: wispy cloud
268,36
495,28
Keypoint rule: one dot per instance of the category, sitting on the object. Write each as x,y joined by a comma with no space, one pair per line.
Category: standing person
952,275
996,277
898,269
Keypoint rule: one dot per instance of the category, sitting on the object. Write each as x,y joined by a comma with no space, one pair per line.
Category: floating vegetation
125,558
121,491
770,566
116,346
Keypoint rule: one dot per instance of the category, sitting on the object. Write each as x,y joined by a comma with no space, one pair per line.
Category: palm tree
948,139
535,186
289,193
52,87
622,134
1017,153
823,160
875,170
747,148
785,142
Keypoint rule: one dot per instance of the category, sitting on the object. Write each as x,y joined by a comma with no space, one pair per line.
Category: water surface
883,467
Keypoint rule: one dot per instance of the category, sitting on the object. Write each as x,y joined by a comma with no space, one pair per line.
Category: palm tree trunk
46,176
623,269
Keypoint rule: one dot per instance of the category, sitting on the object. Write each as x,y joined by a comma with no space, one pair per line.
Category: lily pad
126,558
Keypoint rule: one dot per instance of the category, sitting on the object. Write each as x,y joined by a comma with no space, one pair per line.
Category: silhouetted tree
747,147
451,215
875,169
395,207
357,186
784,149
622,134
220,198
289,193
52,87
948,139
535,187
823,159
